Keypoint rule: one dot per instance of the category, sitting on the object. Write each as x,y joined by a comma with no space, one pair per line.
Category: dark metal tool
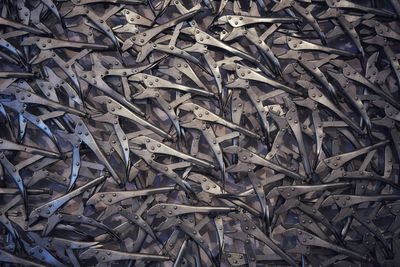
199,133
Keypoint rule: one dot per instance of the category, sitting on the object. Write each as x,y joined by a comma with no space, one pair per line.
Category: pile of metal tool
199,133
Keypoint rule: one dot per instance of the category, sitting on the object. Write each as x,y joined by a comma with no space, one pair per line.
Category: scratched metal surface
199,133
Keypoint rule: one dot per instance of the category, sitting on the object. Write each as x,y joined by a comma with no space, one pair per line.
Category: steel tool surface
199,133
